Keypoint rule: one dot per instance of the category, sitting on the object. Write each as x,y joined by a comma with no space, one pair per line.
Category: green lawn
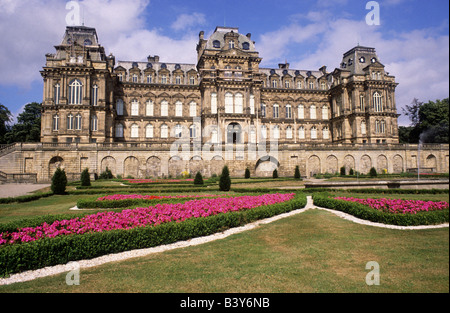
310,252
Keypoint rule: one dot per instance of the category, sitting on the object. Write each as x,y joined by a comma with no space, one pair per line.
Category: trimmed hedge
63,249
26,198
366,213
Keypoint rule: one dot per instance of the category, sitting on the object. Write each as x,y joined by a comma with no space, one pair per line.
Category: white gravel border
58,269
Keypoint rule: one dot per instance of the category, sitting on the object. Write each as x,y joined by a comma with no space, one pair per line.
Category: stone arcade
158,119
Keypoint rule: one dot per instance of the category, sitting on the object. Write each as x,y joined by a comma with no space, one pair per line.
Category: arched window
94,98
149,131
78,121
276,110
164,131
301,132
228,103
135,78
276,132
119,131
216,44
288,111
326,133
134,131
134,108
263,110
213,103
301,111
363,128
246,46
311,84
149,108
289,132
75,92
178,108
57,93
55,122
325,112
164,108
313,112
377,102
178,131
70,121
193,131
94,123
274,83
263,132
238,103
313,132
193,109
119,107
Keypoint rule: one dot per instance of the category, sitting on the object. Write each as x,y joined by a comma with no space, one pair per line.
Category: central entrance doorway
234,133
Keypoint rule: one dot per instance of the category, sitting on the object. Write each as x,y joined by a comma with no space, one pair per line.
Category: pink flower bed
400,206
150,181
151,197
139,217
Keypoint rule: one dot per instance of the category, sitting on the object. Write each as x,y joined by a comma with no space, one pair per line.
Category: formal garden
315,251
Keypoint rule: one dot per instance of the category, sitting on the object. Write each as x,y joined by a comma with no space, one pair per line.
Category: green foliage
343,171
5,119
85,178
275,173
107,174
198,180
28,126
351,172
297,172
373,172
225,179
430,122
59,182
247,173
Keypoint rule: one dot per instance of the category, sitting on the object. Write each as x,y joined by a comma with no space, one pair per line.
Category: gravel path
15,190
58,269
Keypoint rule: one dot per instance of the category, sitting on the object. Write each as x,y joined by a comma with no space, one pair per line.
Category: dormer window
246,46
87,42
231,44
362,60
374,60
350,61
216,44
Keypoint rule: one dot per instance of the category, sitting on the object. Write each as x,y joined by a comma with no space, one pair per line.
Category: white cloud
186,21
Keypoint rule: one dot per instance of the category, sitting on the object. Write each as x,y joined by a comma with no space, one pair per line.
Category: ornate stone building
157,119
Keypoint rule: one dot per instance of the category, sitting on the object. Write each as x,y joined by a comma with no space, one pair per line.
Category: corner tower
363,100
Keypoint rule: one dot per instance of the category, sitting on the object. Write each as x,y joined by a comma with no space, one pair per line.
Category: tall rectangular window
252,104
94,123
193,109
57,96
214,103
276,111
75,92
134,108
94,98
149,108
164,108
178,108
288,111
301,111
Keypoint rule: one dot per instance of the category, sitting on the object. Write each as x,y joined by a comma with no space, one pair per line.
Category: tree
343,171
225,180
59,182
28,126
429,122
5,119
85,178
373,172
297,172
247,173
198,180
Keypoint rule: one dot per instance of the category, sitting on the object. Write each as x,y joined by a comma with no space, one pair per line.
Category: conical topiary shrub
225,180
198,180
247,173
85,178
59,182
297,173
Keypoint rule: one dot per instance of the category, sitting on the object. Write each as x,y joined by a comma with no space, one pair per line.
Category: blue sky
412,40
